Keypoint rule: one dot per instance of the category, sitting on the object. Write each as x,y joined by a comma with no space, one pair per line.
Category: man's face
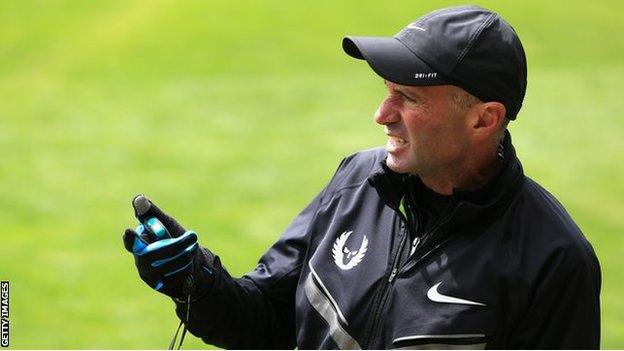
427,134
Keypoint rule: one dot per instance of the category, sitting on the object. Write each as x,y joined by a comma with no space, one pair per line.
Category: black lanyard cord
187,288
175,336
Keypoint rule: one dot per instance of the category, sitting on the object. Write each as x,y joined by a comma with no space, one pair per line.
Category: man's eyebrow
400,90
411,95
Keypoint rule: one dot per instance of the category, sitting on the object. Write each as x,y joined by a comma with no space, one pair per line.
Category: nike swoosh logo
434,295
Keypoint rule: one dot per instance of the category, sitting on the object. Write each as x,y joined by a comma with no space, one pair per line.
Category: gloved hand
165,265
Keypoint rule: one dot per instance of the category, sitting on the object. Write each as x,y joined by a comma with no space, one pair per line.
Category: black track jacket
508,268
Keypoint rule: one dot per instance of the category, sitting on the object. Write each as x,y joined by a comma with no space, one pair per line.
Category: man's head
455,78
432,130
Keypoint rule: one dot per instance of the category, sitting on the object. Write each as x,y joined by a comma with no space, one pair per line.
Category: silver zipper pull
415,245
392,274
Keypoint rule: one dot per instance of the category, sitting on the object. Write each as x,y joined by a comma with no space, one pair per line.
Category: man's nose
387,113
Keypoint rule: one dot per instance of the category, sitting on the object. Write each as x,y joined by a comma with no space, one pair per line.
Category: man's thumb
131,240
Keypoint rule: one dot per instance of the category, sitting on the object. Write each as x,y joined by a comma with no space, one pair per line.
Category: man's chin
397,164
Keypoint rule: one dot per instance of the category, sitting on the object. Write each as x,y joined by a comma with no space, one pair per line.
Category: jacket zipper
418,242
386,289
395,263
415,223
397,256
426,238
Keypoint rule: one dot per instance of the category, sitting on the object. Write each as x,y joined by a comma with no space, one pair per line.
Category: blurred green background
231,115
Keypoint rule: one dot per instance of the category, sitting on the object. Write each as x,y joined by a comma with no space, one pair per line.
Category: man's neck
468,176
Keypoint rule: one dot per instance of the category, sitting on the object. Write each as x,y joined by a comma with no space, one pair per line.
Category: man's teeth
397,141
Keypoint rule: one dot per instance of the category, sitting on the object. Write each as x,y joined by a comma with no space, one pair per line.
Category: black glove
170,266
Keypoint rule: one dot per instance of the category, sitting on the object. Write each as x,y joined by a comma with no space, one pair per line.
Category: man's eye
408,98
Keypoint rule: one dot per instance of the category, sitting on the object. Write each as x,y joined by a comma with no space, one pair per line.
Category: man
438,241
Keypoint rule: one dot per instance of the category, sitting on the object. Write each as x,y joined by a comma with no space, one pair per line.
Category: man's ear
487,118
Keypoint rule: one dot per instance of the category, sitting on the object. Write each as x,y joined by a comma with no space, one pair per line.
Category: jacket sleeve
258,309
564,312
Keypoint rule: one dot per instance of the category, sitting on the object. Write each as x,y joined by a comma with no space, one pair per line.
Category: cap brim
392,60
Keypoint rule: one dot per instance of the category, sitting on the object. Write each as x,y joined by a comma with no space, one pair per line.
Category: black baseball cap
466,46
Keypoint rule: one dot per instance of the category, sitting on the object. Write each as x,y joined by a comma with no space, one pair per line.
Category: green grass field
231,116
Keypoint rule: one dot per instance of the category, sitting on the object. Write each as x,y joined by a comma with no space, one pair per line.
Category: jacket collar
465,206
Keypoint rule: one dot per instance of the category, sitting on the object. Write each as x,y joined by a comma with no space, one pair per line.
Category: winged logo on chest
342,253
